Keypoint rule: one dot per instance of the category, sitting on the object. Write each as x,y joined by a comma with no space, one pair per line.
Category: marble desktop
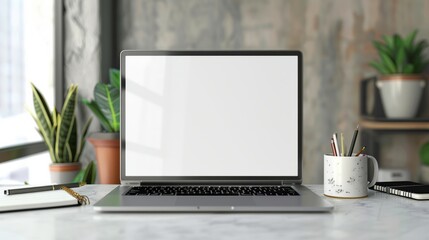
379,216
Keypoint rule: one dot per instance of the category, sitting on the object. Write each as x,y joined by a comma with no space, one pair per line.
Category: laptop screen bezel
124,178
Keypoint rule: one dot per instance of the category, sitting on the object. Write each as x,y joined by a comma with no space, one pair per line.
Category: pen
42,188
357,154
352,144
336,144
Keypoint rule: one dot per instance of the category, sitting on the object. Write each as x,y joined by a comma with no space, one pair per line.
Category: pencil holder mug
347,176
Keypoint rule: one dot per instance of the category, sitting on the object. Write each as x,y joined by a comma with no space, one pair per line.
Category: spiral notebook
39,200
406,189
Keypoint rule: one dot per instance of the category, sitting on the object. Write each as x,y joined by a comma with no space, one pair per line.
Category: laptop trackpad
214,201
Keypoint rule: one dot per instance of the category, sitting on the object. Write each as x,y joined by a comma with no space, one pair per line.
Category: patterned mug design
347,177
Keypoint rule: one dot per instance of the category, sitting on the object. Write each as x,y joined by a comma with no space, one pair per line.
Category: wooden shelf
388,125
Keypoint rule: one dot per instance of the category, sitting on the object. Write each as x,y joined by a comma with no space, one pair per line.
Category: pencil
353,142
337,150
333,148
343,153
357,154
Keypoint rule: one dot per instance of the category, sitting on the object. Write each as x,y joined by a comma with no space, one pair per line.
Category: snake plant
105,105
400,55
59,130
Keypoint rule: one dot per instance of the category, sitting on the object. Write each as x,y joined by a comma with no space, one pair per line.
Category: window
27,55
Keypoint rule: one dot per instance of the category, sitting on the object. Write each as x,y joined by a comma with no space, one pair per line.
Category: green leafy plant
87,175
105,105
400,55
59,130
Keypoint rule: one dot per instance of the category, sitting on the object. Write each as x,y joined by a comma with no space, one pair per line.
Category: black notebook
406,189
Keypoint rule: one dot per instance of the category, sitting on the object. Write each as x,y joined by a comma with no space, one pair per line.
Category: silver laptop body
211,119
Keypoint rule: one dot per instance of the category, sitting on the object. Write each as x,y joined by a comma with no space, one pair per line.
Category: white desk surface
380,216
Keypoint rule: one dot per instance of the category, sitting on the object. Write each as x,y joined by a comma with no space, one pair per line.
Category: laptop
211,131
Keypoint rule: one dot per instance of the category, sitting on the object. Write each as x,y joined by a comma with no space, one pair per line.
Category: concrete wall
334,35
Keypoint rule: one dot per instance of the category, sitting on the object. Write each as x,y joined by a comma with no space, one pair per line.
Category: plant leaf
390,43
82,140
66,122
42,110
419,48
115,77
409,68
72,140
388,63
400,60
97,112
409,41
107,99
379,67
87,175
382,48
45,137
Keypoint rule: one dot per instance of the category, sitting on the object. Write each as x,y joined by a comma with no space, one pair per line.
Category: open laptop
211,131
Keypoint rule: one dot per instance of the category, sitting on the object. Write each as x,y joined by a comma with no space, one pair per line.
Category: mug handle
375,173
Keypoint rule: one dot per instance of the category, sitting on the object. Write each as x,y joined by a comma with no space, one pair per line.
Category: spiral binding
82,199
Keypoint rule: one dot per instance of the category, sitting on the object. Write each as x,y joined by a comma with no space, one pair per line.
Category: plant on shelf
59,132
106,107
401,63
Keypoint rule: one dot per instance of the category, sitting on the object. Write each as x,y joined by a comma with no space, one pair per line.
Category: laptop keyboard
212,191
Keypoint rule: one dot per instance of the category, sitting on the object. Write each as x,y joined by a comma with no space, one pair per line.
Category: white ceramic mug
347,177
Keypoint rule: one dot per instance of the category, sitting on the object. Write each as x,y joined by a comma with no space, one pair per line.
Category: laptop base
307,201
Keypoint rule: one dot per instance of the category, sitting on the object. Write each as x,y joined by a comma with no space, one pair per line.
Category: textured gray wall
334,35
82,57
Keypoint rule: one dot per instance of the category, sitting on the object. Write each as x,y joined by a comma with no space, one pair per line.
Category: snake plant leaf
65,123
72,142
87,175
45,137
115,77
107,99
97,112
82,140
42,110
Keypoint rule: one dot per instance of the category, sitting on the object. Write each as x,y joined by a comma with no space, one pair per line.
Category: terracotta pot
64,172
401,94
106,147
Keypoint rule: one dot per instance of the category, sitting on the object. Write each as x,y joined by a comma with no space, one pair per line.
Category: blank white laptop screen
211,115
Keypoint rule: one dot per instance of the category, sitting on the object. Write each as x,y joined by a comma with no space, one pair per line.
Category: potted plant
106,107
401,65
59,131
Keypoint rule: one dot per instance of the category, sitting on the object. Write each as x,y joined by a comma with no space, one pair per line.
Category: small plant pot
401,94
64,172
106,147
